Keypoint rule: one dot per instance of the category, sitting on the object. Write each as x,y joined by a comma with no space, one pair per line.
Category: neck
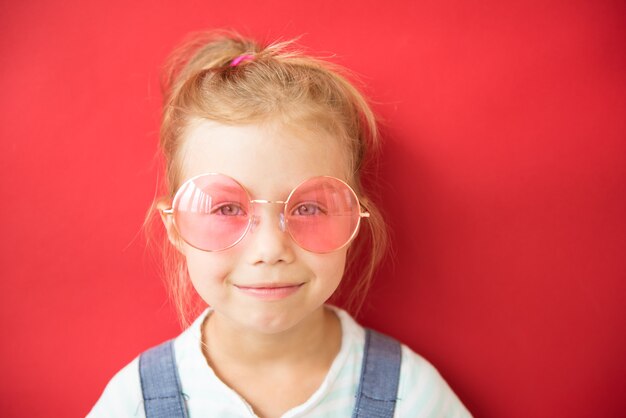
317,337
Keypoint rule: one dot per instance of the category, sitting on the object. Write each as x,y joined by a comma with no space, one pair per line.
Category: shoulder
422,391
122,396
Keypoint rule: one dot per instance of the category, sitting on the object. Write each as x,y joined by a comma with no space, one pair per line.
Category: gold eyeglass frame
284,220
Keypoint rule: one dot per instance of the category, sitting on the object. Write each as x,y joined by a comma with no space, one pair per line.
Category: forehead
268,159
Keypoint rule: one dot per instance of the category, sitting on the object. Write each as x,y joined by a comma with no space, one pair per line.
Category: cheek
207,271
339,265
330,267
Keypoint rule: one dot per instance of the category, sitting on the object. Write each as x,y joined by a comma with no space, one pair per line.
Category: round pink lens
212,212
322,214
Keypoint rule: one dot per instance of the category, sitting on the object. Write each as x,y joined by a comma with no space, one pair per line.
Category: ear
168,221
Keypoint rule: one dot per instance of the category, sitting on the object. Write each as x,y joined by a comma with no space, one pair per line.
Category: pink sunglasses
213,212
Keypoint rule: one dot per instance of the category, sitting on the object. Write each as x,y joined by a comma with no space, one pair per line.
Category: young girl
264,151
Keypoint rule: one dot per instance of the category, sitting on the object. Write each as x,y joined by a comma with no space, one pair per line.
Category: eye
308,209
229,209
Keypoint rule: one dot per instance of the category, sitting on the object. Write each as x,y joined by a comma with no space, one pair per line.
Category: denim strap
162,394
380,377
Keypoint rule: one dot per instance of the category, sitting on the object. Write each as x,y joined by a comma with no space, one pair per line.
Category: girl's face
266,282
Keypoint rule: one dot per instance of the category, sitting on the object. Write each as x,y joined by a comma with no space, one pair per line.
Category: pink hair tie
240,59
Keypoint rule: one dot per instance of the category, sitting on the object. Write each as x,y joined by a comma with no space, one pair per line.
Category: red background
503,179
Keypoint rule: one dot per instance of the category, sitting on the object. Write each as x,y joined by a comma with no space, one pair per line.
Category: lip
270,291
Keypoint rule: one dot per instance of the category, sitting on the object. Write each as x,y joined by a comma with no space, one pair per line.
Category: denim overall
375,397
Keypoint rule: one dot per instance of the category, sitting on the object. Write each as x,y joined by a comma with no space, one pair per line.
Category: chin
274,321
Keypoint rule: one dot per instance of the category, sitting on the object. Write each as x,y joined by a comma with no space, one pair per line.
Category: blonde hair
277,83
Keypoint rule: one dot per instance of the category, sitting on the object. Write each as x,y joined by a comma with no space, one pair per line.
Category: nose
269,242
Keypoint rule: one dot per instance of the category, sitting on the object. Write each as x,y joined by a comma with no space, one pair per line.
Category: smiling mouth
270,291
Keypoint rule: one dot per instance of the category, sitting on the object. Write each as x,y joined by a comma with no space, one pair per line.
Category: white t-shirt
422,392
